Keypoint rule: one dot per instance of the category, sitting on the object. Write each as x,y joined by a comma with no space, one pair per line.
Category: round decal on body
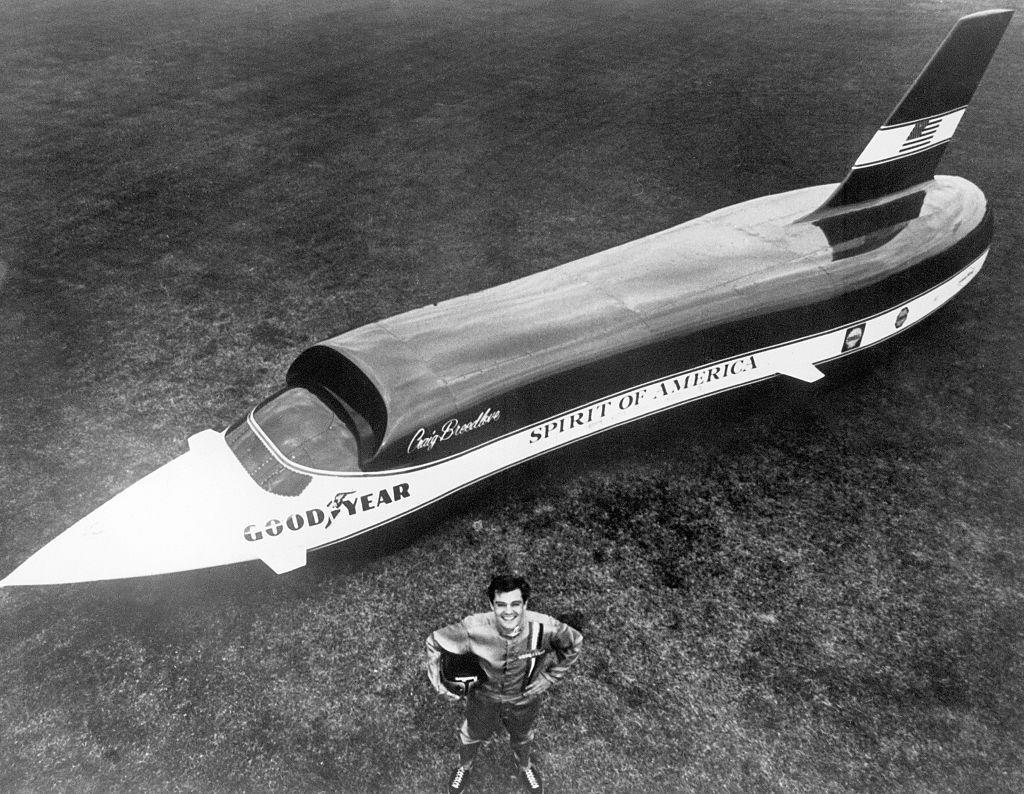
853,337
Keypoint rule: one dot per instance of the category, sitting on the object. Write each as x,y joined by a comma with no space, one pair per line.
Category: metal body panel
746,261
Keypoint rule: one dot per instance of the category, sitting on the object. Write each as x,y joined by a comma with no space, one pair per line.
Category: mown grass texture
820,592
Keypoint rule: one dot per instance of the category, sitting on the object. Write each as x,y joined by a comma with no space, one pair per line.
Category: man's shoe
459,781
531,780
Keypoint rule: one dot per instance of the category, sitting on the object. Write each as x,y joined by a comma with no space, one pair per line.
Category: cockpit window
305,430
308,432
329,417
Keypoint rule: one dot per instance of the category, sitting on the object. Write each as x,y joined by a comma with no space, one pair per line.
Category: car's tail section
905,151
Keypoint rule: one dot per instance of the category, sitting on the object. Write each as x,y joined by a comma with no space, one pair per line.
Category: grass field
821,592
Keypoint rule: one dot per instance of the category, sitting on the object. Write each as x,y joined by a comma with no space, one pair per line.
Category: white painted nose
171,520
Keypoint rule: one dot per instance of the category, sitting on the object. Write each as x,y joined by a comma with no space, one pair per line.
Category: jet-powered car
386,419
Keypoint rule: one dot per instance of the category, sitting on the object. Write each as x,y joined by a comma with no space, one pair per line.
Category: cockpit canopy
323,420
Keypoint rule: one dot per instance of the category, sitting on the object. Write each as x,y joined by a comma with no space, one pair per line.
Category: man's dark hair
506,583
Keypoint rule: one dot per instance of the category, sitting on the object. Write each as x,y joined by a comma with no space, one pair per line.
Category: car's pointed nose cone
168,521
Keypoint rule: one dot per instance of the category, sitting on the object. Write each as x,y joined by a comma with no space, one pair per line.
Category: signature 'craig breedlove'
385,419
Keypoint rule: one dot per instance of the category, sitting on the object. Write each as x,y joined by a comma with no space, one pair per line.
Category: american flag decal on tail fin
906,140
921,135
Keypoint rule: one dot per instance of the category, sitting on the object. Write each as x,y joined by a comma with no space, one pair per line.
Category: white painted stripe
904,140
535,633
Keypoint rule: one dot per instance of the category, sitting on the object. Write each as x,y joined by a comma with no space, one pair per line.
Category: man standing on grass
523,654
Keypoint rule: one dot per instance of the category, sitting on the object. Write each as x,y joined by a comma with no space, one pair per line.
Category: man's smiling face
510,610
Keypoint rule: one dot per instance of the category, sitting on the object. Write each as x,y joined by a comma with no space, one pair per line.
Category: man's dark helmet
460,673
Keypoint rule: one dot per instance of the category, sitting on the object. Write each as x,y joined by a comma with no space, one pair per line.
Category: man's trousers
485,716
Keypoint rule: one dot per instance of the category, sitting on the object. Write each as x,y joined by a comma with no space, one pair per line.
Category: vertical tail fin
908,147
